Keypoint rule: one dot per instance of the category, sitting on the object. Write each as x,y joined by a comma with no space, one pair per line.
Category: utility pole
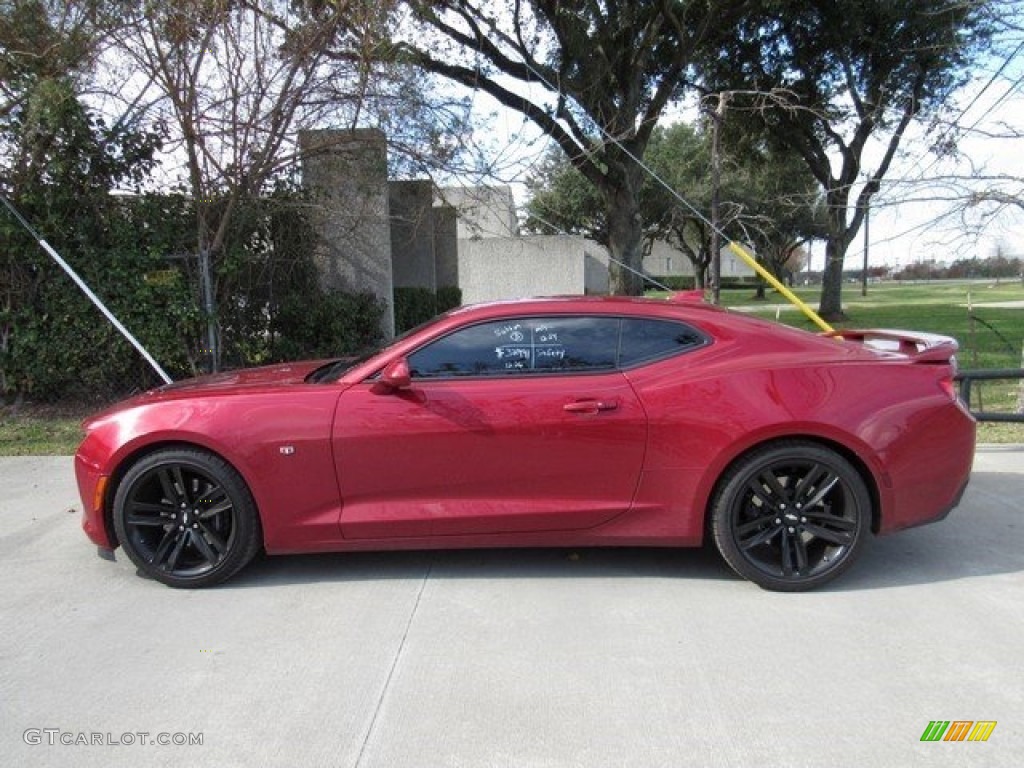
867,240
716,192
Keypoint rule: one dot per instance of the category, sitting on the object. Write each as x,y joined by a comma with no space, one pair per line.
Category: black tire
186,518
791,516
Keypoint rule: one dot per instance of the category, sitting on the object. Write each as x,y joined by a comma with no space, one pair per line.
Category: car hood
227,383
266,378
282,374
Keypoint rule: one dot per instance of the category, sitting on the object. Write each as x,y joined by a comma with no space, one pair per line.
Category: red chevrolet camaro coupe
548,422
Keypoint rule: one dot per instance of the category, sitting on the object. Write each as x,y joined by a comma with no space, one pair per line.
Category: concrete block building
378,234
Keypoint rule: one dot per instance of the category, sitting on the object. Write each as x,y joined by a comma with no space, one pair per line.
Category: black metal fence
967,380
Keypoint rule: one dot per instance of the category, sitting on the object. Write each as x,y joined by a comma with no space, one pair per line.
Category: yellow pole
794,299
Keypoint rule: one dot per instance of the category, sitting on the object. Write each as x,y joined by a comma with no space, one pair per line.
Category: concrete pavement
511,658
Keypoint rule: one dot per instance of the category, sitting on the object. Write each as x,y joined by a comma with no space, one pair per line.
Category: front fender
279,445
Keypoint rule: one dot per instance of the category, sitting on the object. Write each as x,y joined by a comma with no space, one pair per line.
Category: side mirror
396,375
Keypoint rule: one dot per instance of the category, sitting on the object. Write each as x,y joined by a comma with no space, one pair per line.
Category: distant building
496,262
377,234
666,261
483,212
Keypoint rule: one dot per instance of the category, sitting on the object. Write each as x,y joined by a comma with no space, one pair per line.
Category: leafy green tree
43,41
768,199
595,76
680,155
782,206
65,161
562,200
59,162
827,80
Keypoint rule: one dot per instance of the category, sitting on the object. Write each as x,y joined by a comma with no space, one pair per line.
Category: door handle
591,406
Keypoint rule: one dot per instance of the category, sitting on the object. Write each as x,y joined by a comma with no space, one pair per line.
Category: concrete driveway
511,658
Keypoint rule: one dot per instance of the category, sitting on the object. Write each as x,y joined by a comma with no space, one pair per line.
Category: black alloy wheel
186,518
791,516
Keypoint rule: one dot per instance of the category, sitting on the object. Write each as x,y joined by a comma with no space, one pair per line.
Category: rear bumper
930,474
944,513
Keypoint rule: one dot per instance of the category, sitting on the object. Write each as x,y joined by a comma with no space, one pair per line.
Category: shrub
676,282
327,325
413,305
448,297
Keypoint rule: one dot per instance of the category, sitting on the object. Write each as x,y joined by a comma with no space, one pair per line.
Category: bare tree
234,81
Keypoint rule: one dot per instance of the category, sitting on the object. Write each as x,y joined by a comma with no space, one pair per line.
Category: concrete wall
376,235
733,266
412,233
519,267
346,171
666,260
446,246
483,212
595,268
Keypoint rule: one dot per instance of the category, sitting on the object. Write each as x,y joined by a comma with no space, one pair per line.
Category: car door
516,425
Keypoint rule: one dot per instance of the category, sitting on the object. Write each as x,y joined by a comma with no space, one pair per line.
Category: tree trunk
839,236
625,243
831,306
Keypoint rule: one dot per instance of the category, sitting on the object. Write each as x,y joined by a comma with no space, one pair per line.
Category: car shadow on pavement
554,563
981,537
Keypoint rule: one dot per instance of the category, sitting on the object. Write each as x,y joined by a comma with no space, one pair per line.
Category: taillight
949,387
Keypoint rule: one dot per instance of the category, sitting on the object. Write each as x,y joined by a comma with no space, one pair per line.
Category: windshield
333,370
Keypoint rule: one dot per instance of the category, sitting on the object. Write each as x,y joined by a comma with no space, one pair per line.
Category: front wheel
791,516
186,518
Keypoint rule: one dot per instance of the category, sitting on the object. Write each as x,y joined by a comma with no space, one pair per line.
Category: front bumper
92,488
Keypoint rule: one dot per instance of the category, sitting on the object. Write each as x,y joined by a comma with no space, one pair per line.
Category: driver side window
521,346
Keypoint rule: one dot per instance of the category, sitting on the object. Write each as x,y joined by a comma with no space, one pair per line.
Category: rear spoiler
920,347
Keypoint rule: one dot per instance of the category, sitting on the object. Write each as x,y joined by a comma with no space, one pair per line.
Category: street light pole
716,188
867,240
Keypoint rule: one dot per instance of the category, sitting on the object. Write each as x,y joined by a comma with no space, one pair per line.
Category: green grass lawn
888,294
992,339
989,336
40,430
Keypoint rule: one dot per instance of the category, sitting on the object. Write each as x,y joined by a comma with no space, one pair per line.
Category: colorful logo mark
958,730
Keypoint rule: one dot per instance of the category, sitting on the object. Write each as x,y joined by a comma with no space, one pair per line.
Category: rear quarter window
646,339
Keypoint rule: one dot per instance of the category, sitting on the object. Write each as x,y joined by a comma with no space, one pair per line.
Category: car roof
640,305
754,335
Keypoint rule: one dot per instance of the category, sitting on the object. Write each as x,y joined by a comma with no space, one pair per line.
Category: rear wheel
186,518
791,516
